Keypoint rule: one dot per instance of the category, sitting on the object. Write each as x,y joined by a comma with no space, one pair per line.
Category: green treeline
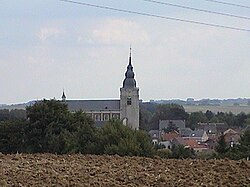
50,127
6,114
150,114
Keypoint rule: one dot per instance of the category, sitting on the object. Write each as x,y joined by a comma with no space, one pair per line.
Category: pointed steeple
129,81
130,58
63,96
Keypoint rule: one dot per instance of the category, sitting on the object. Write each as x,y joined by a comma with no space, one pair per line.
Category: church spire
63,96
130,56
129,81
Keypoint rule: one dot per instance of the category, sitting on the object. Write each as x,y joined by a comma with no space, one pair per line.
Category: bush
164,153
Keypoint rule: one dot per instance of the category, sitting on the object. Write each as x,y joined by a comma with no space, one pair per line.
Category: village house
167,139
199,135
213,129
232,137
190,143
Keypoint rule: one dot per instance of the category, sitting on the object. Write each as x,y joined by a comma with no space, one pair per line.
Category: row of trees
6,114
240,120
150,114
52,128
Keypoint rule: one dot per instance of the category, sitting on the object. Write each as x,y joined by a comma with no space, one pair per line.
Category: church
126,108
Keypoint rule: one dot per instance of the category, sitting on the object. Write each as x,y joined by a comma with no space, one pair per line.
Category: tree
47,111
215,119
172,127
4,115
144,118
230,119
180,152
244,144
242,150
195,118
52,128
42,116
12,136
240,119
168,112
18,114
84,133
118,139
209,114
222,147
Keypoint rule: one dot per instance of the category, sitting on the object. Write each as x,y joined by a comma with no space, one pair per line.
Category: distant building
190,144
213,128
126,108
185,132
199,136
232,137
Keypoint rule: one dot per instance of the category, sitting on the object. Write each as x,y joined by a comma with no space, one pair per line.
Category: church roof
129,81
90,105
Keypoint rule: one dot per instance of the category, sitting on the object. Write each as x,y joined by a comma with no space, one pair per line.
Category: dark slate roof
185,132
208,127
90,105
198,133
129,81
220,127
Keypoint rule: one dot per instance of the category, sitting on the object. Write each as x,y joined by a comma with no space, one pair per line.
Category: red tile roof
170,136
194,144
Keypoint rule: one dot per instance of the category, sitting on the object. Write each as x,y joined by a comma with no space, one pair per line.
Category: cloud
46,33
119,31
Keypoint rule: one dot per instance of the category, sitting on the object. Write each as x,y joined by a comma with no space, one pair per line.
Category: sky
49,45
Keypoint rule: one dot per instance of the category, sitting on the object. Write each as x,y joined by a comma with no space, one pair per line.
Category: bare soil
92,170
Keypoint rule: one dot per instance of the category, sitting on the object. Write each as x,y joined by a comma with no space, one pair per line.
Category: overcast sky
49,45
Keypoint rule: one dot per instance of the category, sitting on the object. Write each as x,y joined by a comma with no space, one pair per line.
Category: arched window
97,117
115,116
106,117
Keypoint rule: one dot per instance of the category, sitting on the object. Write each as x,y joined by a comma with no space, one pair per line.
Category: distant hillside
215,109
215,105
235,106
206,102
16,106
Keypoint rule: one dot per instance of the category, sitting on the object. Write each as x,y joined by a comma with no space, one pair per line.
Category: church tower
129,99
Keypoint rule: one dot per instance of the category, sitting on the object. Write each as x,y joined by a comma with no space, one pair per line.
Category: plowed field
91,170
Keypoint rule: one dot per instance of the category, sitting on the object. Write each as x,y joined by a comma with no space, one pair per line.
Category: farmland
215,109
92,170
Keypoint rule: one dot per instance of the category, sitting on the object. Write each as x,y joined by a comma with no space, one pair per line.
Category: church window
129,101
97,117
106,117
115,116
